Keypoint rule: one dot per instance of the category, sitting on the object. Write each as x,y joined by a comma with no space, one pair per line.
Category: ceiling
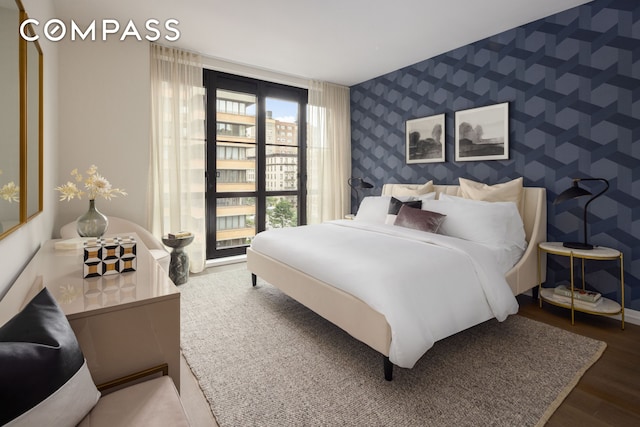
340,41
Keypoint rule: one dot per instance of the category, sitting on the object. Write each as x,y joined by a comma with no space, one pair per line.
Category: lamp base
577,245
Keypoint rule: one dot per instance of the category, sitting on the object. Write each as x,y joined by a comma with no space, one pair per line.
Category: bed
363,318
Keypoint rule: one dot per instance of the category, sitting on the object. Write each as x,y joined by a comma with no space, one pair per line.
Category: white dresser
125,323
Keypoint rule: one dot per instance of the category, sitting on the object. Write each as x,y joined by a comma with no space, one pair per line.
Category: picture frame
482,133
425,139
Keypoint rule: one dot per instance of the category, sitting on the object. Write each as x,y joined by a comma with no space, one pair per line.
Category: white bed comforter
428,286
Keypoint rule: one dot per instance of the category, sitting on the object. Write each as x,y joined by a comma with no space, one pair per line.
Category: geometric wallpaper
572,81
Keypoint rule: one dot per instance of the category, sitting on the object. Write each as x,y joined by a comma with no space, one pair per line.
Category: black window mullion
261,178
302,158
210,84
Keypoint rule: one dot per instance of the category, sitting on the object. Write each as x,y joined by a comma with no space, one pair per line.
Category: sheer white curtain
177,166
328,152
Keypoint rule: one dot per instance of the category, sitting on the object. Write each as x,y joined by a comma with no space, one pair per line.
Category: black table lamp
576,191
358,184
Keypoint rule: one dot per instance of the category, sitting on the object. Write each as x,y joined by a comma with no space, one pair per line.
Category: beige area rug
262,359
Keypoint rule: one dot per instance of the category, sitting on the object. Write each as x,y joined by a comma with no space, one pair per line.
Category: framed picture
482,133
425,139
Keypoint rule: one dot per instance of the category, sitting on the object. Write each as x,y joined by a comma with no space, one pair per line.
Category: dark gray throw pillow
395,205
43,374
419,220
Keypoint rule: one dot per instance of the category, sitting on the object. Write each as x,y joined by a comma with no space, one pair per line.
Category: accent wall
572,81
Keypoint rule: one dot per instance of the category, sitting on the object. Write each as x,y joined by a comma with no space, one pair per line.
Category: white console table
125,323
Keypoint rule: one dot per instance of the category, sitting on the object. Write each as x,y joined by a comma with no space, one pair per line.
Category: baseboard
225,261
630,316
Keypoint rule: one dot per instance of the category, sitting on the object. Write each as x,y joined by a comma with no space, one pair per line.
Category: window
253,131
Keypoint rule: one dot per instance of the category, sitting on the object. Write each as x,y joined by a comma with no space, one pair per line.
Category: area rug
263,359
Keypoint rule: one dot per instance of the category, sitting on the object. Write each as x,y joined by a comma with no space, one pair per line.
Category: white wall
105,120
17,249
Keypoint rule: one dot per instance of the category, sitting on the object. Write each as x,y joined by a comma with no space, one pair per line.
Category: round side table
179,264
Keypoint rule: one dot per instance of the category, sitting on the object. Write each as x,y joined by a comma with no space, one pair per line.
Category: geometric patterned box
103,257
127,253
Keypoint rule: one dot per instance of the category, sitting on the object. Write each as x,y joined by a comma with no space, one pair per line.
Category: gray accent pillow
419,220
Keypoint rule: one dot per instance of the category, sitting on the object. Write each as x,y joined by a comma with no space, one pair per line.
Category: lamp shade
576,191
358,184
572,192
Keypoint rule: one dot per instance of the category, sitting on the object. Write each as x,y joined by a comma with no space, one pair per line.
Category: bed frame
369,326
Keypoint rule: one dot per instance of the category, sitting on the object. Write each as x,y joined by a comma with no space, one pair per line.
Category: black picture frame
425,139
482,133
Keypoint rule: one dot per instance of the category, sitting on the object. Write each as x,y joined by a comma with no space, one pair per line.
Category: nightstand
600,253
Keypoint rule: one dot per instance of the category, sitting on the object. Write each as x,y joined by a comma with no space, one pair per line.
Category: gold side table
607,307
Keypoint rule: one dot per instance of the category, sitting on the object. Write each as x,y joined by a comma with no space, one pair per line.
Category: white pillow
423,197
493,223
373,209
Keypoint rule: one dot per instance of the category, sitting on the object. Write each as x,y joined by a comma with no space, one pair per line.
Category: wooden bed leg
254,279
388,369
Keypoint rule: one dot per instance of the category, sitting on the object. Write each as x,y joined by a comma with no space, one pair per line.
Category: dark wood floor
609,393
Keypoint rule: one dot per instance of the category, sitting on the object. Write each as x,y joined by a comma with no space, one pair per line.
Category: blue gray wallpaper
572,81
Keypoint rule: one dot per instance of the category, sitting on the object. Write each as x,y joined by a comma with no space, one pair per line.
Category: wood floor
609,393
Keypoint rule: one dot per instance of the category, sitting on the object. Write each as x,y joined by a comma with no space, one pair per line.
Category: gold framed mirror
10,117
21,145
33,128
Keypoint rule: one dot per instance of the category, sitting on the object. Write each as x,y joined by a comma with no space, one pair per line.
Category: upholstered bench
44,378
